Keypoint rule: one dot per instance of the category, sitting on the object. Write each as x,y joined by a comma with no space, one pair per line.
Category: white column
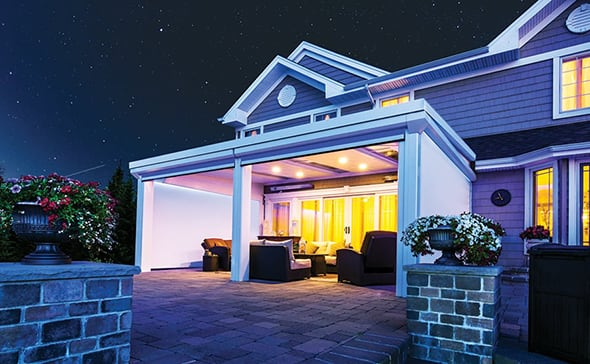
242,197
144,223
409,199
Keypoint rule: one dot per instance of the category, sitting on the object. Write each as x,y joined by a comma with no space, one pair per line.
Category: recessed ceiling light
276,169
299,174
363,166
342,160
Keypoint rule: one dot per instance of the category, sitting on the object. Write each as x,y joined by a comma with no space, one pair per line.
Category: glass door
310,220
362,219
333,220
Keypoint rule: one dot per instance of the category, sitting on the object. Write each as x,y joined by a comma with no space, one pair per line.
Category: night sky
86,85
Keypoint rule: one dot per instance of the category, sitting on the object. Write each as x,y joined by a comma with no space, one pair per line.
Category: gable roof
323,69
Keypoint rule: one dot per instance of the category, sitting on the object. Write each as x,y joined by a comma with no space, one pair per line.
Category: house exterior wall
554,36
307,98
510,216
451,197
505,101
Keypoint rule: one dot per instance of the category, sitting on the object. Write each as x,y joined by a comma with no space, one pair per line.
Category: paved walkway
190,316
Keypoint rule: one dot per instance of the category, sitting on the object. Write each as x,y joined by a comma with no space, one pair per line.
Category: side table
210,263
318,262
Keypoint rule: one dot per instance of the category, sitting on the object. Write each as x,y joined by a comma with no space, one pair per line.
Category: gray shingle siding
511,216
554,36
307,98
510,100
329,71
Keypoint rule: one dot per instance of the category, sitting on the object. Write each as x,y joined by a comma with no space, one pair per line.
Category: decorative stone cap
455,269
17,272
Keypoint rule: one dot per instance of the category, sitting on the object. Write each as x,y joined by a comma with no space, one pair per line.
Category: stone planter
453,312
31,223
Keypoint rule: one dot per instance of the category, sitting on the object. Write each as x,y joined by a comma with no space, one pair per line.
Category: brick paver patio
190,316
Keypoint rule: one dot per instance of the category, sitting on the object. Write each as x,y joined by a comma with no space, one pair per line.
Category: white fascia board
510,39
537,156
285,67
335,59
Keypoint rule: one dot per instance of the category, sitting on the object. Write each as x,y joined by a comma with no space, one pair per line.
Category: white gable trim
273,73
510,38
337,60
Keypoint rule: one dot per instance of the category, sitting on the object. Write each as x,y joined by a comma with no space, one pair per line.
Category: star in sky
86,85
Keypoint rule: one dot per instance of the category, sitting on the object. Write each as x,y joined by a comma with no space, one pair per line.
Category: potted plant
52,209
534,235
476,240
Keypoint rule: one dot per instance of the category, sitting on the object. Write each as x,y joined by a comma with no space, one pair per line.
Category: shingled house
328,147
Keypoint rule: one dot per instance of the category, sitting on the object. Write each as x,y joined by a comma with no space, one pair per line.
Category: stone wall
453,312
74,313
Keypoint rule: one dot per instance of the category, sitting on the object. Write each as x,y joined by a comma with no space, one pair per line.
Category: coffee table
318,262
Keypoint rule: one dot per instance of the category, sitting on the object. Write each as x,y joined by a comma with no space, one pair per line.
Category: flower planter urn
441,238
31,223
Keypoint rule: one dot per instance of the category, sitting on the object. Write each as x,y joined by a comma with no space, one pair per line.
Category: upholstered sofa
375,263
328,248
220,247
274,261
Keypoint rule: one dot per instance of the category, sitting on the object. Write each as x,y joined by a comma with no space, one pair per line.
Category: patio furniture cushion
300,263
287,243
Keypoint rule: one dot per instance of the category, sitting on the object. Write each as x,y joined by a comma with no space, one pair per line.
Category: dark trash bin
559,302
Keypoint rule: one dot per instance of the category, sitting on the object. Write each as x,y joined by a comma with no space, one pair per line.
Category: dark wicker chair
375,263
273,263
220,247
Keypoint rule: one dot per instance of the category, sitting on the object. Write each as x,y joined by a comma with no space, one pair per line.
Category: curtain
388,212
363,219
310,214
280,221
334,220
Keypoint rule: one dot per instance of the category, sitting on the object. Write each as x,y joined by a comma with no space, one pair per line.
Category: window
325,116
543,198
252,132
585,204
575,83
396,100
280,218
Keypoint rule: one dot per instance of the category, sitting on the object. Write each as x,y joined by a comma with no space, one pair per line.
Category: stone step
375,348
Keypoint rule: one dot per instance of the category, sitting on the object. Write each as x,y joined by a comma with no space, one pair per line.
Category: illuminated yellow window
395,100
310,220
543,198
585,208
280,218
575,83
388,212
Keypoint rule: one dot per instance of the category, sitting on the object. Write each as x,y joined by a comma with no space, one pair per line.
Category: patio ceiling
375,159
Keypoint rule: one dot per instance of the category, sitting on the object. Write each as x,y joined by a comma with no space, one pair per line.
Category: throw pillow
322,247
333,246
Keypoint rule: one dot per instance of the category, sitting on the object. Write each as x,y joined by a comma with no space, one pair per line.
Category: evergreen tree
122,189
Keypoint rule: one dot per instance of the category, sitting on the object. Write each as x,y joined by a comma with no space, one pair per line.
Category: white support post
242,197
409,202
144,223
